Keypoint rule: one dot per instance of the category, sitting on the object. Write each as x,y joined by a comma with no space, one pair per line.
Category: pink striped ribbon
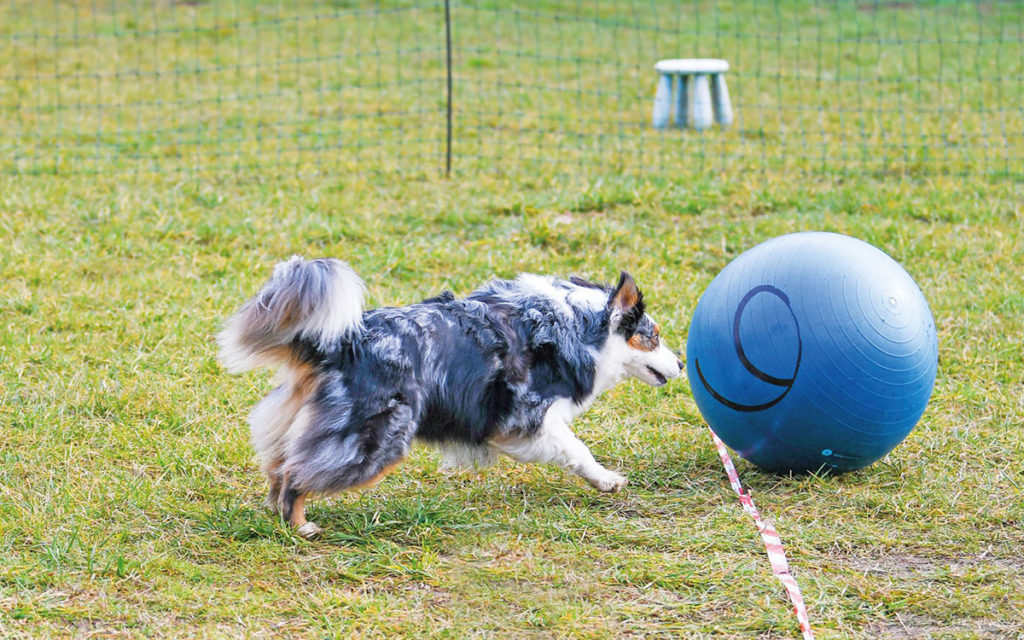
772,542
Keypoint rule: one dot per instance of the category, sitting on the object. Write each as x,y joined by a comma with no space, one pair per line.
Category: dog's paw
309,530
609,482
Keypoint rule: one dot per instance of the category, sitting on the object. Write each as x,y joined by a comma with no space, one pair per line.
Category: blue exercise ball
812,352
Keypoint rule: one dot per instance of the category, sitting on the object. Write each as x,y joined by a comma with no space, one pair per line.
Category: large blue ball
812,352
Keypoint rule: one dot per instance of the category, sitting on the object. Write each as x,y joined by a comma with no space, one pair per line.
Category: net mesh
874,88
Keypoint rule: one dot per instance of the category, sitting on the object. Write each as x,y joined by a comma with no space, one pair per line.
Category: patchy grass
131,500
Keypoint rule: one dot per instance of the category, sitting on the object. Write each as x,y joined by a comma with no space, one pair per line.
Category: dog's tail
317,301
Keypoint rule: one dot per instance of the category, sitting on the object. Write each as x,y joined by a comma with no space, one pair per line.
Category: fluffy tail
318,300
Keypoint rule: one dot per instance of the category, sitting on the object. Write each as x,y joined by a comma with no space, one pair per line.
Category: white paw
608,482
309,530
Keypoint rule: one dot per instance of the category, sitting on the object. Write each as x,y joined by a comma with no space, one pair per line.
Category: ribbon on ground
772,542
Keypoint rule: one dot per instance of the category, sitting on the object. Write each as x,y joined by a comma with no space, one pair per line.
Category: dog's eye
649,340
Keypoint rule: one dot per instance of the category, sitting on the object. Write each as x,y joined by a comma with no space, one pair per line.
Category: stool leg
700,104
720,97
662,102
680,105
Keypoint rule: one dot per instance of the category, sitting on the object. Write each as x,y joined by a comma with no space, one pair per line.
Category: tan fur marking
302,384
274,356
377,478
628,295
642,343
303,378
299,511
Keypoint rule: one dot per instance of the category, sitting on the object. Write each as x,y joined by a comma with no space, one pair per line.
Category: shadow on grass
424,521
428,520
385,526
242,522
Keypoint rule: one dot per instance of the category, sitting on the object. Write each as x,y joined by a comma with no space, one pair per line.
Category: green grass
130,500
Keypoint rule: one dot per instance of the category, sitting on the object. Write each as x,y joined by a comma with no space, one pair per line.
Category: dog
503,371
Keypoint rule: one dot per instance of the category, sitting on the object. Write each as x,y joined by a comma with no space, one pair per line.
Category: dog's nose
680,363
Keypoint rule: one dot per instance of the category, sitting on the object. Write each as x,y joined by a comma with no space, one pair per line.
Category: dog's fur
504,370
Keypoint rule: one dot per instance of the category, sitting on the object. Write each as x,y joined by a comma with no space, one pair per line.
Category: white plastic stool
692,103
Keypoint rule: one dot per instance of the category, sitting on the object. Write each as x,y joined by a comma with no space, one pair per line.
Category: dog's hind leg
557,444
293,502
269,422
274,420
332,455
292,507
275,480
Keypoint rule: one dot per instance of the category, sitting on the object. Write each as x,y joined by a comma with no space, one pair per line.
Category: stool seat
692,92
691,66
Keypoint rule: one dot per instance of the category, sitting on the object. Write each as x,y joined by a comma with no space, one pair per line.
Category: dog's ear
626,305
626,295
583,282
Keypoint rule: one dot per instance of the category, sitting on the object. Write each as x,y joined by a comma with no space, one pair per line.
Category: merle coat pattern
503,370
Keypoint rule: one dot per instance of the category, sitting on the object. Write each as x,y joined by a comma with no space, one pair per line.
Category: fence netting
864,88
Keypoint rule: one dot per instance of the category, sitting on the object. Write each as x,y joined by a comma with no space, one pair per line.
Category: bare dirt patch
910,565
920,627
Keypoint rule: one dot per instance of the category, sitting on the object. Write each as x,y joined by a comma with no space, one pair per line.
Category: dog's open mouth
660,379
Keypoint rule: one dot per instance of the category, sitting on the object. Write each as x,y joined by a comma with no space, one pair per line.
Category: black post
448,68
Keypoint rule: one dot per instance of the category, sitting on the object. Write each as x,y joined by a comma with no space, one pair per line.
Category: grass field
130,500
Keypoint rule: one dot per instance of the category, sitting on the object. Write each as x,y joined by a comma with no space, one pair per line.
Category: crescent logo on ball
786,383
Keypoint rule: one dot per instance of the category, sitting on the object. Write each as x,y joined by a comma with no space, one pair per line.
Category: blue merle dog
504,370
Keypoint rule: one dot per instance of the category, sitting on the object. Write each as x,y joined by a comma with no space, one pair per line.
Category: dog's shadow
363,521
403,519
470,504
379,519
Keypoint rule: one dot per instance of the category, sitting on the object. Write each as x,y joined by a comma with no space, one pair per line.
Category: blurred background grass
862,88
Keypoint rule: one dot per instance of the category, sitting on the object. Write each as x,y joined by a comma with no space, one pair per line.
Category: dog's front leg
556,443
